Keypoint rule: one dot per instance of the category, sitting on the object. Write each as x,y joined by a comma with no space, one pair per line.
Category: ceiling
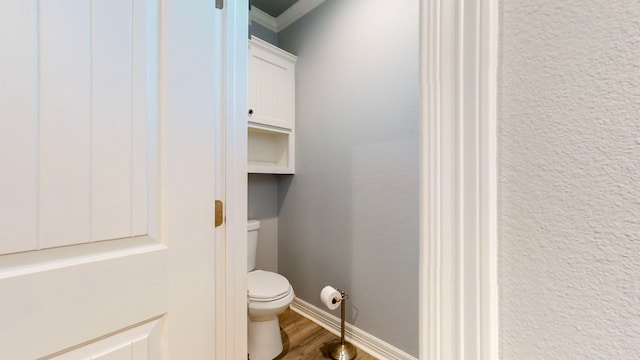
272,7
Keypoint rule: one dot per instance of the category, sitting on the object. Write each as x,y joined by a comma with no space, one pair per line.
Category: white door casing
231,315
458,200
111,135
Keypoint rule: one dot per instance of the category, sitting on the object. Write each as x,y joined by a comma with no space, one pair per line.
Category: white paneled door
110,111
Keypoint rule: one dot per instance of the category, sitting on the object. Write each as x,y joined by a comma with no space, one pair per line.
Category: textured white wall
569,169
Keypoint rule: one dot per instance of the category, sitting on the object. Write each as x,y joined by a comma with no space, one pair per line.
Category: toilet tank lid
253,225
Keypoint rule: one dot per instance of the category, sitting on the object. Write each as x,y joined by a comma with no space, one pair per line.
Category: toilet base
265,342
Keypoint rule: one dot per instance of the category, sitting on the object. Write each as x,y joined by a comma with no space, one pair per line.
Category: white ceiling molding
288,17
296,11
263,19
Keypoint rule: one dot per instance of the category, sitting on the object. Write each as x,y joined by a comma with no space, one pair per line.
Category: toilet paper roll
330,297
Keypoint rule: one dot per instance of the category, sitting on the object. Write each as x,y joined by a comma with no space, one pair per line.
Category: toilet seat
265,286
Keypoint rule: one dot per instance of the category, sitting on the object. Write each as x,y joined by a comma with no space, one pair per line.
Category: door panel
18,145
139,130
57,308
142,342
88,159
109,111
63,103
111,118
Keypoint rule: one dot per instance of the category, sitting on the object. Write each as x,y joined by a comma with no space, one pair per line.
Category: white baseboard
360,339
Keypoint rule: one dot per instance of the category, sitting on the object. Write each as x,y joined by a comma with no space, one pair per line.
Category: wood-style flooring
304,339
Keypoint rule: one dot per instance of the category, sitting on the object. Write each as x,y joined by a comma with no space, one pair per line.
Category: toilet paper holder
343,296
344,350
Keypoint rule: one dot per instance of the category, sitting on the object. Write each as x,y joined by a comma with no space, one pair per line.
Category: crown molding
288,17
263,19
296,11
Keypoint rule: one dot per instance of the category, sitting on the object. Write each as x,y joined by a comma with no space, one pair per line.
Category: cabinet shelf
270,150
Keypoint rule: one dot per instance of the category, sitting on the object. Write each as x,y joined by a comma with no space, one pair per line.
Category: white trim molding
264,19
231,254
458,237
288,17
359,338
296,11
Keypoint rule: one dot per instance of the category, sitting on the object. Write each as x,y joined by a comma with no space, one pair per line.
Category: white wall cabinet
271,109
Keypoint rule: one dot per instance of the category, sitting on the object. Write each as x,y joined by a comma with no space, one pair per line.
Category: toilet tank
252,243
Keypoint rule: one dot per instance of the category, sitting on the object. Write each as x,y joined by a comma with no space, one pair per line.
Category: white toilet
269,295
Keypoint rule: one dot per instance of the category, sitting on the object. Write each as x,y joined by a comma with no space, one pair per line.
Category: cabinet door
271,85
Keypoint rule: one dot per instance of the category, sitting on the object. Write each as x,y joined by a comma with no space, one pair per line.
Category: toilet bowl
269,294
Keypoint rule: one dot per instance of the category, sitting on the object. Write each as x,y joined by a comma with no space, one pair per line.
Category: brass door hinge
219,213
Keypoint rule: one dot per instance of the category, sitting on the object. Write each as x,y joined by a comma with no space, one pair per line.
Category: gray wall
263,33
569,163
349,216
263,205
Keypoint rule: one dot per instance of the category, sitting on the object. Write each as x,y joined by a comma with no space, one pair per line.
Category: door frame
458,282
458,186
231,250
